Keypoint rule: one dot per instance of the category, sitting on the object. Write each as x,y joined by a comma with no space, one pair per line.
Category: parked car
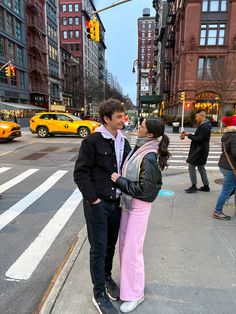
9,130
50,123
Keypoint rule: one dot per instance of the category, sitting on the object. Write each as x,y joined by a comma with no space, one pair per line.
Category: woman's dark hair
156,126
108,107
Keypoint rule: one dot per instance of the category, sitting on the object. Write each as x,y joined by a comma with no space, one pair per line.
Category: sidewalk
190,259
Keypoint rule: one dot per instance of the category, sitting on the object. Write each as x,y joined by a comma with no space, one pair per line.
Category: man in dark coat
101,154
198,152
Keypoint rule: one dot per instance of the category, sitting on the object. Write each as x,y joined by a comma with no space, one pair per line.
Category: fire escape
37,50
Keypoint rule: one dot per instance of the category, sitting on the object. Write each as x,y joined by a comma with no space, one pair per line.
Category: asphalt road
40,216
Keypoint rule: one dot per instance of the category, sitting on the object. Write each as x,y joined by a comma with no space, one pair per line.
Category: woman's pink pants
132,234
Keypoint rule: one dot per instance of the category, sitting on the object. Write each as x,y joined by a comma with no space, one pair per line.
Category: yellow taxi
9,130
50,123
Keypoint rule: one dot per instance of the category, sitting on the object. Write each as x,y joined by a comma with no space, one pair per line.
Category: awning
17,106
151,99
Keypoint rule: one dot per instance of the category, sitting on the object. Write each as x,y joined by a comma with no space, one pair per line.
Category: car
50,123
9,130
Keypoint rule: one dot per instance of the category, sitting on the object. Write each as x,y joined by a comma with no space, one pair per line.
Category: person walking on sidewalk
140,183
227,163
198,153
100,155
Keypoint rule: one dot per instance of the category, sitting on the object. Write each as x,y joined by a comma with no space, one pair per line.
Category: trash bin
175,127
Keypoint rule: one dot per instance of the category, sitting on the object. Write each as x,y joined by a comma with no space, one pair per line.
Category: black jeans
103,223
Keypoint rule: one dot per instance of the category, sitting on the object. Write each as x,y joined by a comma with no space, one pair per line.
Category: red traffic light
12,69
188,105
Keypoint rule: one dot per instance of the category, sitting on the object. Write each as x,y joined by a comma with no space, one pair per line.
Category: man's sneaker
129,306
112,289
204,188
104,305
192,189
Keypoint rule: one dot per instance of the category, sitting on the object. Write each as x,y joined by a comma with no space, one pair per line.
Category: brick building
198,43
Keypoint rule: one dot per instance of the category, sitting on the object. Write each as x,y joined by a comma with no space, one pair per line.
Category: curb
52,292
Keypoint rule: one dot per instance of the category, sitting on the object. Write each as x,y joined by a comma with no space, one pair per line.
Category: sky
121,39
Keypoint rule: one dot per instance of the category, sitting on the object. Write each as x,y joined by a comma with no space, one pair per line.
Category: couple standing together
118,187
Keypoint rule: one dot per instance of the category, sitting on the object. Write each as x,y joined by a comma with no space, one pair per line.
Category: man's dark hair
108,107
200,110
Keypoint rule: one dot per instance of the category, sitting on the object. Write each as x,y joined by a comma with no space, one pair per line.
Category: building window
143,25
76,20
20,56
21,79
70,7
76,7
205,68
18,30
143,34
70,21
16,6
212,34
214,5
64,8
3,78
70,34
64,21
2,48
76,34
77,47
65,36
11,51
149,25
9,24
8,3
1,19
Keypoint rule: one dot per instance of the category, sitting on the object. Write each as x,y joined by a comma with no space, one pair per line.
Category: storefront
21,112
210,103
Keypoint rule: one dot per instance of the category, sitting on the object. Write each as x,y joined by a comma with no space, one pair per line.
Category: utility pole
182,97
110,6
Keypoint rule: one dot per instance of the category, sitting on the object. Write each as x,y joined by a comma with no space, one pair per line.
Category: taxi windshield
74,117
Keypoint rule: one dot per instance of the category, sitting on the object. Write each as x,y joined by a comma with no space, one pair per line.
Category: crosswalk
179,152
40,184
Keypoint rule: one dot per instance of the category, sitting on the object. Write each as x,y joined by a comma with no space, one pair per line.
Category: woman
140,183
229,183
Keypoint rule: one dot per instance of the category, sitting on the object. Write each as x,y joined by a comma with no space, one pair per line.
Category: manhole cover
219,181
166,193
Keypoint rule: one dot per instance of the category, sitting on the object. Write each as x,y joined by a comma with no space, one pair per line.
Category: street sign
166,193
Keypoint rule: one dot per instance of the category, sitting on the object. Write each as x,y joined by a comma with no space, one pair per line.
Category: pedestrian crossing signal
7,71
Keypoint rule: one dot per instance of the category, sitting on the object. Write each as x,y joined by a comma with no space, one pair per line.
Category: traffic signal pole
111,6
9,62
182,118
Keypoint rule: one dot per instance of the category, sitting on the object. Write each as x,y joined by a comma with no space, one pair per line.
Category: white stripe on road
17,180
3,169
187,151
20,206
209,157
184,161
186,167
25,265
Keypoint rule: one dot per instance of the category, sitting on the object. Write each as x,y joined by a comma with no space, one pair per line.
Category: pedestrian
140,183
198,153
227,164
101,154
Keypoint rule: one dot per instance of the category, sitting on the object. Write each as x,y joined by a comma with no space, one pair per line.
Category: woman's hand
115,176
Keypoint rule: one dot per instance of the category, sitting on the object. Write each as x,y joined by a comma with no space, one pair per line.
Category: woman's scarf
131,167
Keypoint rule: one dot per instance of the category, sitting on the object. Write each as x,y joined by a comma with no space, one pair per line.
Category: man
101,154
198,152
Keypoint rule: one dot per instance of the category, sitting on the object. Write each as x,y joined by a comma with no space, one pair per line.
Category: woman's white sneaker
129,306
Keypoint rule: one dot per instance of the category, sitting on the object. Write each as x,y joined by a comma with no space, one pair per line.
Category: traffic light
93,30
182,96
12,70
188,105
7,71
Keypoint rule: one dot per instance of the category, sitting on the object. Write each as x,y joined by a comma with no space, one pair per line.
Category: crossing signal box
12,70
93,30
7,71
182,96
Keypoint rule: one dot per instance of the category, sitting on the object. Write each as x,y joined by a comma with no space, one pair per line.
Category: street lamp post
136,64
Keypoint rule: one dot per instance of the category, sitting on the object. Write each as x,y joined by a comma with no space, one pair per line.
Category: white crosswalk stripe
179,152
24,203
25,265
3,169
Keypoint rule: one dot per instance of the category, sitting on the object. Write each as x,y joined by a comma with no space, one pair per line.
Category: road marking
3,169
187,151
186,167
5,153
20,206
209,157
17,180
25,265
179,161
